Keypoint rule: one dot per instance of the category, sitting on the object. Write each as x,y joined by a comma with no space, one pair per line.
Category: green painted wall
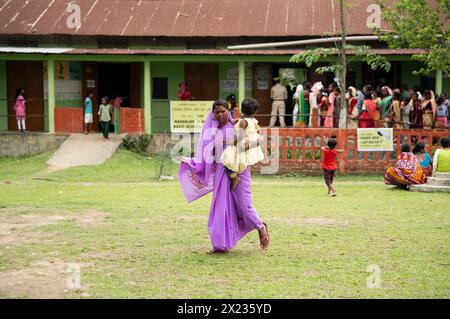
175,73
69,103
357,68
407,67
223,70
160,109
446,85
3,97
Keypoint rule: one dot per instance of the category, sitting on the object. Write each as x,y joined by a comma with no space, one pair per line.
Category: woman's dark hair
106,99
368,95
220,103
19,90
445,142
249,106
427,93
396,95
418,148
307,85
406,148
440,100
332,143
337,89
367,88
334,85
378,93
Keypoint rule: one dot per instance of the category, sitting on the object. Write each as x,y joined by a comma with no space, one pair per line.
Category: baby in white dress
246,150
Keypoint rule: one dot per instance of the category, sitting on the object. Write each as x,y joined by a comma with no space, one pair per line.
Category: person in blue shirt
88,117
424,158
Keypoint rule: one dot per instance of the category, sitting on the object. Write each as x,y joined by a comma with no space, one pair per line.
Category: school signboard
375,139
188,116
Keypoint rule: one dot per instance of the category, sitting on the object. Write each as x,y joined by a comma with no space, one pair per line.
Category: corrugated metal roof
180,18
183,52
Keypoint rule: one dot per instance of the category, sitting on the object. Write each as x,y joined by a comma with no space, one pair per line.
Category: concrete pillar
147,97
241,93
438,83
51,95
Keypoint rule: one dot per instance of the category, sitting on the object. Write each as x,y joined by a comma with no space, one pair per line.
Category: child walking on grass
246,150
329,164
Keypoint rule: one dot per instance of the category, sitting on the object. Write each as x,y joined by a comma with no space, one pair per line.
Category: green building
143,50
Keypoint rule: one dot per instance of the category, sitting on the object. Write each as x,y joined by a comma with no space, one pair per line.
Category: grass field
131,236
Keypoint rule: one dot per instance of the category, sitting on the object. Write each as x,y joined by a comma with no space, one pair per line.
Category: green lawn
135,237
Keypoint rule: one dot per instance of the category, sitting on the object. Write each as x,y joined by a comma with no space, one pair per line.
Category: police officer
279,95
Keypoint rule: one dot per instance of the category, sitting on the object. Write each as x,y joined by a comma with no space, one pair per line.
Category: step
443,175
438,181
429,188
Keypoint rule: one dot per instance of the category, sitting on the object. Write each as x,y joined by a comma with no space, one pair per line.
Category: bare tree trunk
342,55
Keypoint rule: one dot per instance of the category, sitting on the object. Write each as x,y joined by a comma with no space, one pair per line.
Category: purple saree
232,215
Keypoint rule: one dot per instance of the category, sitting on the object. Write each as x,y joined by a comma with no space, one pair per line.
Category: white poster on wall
233,86
66,90
262,78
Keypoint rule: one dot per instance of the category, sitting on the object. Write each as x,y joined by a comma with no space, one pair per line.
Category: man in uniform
279,95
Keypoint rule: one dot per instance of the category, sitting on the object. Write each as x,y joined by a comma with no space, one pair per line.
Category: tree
420,24
341,50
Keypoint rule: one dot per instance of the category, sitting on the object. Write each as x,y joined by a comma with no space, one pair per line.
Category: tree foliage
420,24
364,53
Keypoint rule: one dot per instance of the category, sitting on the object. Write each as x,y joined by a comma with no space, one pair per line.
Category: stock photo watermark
74,19
214,143
73,281
374,279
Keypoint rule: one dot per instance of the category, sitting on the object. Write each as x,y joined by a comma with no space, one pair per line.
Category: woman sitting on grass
407,171
441,157
424,158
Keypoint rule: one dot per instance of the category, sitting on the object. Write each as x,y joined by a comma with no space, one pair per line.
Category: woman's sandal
265,239
213,252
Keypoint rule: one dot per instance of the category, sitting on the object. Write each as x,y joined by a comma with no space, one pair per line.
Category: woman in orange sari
407,171
367,116
377,99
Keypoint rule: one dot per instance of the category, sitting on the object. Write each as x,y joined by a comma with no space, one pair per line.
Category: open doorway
203,80
113,81
29,75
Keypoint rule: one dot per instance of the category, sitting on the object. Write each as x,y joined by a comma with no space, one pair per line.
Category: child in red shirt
329,164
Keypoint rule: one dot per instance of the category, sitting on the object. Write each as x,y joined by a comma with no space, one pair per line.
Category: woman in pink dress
19,108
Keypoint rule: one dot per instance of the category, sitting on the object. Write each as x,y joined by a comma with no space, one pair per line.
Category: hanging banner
188,116
375,139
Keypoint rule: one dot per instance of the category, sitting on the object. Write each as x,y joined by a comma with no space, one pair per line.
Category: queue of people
317,106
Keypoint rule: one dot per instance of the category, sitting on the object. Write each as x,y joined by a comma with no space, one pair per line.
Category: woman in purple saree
232,215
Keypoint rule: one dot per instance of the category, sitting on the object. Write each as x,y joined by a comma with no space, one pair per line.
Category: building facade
143,50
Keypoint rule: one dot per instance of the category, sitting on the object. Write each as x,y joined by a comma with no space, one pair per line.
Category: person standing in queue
279,95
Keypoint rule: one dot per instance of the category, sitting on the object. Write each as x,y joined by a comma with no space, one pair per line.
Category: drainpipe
51,95
147,97
241,82
302,42
438,83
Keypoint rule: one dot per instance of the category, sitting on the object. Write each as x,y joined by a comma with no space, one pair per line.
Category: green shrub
137,143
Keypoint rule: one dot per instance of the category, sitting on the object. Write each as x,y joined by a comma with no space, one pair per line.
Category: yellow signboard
188,116
375,139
